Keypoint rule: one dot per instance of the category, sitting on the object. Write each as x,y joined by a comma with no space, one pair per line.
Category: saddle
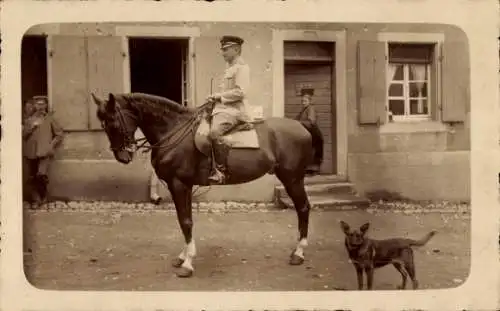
242,136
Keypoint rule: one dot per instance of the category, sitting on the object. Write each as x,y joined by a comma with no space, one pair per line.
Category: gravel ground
114,246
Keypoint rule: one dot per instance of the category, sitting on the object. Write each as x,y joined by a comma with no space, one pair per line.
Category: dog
368,254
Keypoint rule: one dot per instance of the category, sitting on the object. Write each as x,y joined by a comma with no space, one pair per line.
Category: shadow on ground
236,251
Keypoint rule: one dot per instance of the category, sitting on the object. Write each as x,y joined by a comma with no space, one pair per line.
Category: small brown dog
368,254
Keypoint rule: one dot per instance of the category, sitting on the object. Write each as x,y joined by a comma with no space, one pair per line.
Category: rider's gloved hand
213,98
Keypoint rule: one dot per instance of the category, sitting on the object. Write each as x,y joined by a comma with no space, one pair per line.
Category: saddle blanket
238,139
243,139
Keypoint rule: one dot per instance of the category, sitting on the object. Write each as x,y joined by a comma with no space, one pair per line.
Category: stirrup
217,176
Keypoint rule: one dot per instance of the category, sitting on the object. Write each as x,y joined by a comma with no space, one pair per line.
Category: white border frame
480,291
340,59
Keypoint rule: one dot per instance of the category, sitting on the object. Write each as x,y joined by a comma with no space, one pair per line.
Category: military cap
40,98
307,91
227,41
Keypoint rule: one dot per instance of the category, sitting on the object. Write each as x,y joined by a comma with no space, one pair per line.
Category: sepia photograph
256,136
157,155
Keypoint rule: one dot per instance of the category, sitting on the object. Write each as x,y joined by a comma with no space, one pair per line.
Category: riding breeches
222,123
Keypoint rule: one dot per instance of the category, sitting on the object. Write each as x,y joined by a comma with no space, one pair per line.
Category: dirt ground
236,251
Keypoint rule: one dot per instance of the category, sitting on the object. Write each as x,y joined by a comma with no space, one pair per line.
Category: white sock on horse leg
190,252
299,251
182,255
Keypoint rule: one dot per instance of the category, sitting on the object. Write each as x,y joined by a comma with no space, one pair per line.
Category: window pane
399,74
415,87
418,72
396,89
418,106
397,107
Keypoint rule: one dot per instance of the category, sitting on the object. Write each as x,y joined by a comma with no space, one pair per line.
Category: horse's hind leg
296,191
182,195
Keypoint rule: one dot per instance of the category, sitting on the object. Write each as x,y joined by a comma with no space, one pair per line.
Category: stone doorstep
325,192
321,188
324,179
329,201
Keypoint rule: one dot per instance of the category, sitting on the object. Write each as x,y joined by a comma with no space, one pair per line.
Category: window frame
406,82
435,77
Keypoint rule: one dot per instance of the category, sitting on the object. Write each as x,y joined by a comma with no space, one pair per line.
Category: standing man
308,118
230,105
42,135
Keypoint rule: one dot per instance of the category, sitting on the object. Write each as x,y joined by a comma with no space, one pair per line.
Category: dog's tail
423,240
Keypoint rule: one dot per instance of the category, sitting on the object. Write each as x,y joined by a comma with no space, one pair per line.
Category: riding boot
33,195
219,165
42,185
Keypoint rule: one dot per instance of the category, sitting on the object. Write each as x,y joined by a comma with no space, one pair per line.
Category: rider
230,105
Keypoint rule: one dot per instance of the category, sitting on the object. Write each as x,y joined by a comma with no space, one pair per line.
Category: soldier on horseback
230,106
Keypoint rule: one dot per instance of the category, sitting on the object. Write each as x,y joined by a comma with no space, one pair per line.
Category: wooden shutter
455,81
106,57
68,84
372,85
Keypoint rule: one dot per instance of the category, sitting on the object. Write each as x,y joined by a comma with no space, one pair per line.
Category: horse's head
120,125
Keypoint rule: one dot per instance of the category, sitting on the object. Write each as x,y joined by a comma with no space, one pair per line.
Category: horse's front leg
182,195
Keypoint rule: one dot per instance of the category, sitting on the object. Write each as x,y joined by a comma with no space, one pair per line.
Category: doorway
312,65
159,67
33,67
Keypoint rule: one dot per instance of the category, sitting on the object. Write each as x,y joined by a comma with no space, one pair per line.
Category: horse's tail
317,141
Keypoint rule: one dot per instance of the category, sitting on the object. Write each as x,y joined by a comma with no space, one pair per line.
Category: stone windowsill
413,127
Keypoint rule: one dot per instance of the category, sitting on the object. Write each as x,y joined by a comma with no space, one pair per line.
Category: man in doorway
230,105
42,135
308,118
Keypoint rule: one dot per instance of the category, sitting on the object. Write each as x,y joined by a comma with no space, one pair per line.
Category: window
409,80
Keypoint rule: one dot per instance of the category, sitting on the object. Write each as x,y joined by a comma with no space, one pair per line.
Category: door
318,76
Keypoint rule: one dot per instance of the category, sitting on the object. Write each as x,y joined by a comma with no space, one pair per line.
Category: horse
181,155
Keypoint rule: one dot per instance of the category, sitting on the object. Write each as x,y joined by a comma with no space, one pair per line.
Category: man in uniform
230,105
42,134
308,118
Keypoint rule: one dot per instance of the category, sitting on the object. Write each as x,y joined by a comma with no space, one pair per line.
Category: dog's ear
345,227
364,228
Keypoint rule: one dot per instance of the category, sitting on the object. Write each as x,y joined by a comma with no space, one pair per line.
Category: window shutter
68,84
455,84
372,85
106,57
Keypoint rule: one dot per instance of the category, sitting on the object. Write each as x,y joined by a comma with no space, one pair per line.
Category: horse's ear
110,107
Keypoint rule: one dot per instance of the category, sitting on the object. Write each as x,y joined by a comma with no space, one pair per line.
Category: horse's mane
158,106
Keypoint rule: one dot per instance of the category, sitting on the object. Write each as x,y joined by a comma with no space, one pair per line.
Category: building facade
393,99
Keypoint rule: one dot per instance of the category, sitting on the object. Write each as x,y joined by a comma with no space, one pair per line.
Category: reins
187,127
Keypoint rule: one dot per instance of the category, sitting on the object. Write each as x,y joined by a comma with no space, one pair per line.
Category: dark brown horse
180,155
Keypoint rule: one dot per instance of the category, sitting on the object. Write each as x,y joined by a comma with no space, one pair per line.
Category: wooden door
319,77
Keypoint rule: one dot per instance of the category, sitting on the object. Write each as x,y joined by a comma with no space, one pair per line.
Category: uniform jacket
40,141
234,90
307,115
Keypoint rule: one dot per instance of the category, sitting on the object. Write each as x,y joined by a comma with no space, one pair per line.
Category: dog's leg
369,277
404,275
359,273
410,267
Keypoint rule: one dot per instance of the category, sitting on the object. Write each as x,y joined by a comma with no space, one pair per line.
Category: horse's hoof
296,260
184,272
177,262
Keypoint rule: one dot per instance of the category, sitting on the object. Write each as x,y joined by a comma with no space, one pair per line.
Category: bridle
128,143
131,144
